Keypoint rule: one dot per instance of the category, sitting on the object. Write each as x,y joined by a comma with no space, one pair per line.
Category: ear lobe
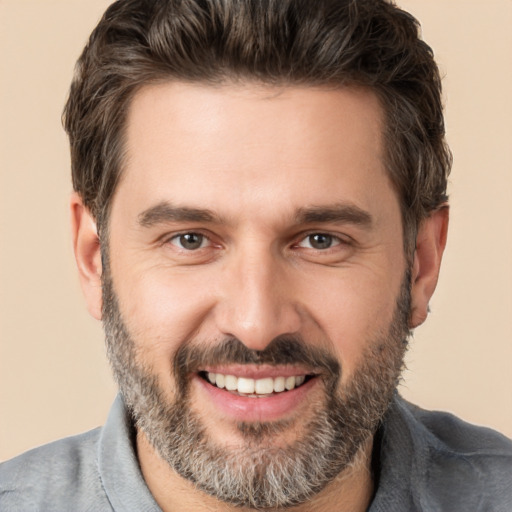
430,245
86,246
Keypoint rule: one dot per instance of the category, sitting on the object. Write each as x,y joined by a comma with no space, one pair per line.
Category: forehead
300,146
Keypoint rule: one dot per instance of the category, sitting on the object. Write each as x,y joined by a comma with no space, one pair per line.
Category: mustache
283,350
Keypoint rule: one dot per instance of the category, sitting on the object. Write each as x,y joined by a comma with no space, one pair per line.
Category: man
259,218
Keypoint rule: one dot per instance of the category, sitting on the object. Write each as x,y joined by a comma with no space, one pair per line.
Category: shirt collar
402,461
401,452
119,468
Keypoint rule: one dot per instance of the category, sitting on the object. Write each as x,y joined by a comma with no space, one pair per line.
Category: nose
257,301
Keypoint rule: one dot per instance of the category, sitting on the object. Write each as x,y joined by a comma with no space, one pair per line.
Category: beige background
54,380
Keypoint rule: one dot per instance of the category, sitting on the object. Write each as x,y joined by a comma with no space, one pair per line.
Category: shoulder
459,436
460,461
55,476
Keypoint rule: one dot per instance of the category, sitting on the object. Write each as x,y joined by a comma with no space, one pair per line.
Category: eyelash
334,240
178,236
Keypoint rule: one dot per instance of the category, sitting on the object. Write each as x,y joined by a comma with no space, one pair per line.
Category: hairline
409,225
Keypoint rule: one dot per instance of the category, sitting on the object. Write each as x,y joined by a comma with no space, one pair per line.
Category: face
255,297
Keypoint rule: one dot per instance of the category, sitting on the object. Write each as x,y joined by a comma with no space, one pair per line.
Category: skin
255,157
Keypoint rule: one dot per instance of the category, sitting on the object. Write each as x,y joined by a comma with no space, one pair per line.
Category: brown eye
189,241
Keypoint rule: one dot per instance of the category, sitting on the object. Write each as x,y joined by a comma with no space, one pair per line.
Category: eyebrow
166,212
342,213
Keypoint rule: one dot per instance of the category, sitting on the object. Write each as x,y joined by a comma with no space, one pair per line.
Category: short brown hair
369,43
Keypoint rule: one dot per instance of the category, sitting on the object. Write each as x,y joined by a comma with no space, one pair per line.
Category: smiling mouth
255,388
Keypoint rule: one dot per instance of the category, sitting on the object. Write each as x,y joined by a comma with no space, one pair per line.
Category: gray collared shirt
427,461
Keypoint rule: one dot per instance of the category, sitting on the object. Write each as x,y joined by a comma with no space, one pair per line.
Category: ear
86,245
430,244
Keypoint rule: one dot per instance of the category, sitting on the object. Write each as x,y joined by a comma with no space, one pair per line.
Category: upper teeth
264,386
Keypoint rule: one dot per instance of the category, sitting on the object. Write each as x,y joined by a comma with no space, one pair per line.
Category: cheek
161,312
353,312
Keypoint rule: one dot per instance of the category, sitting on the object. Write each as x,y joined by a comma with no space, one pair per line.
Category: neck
351,491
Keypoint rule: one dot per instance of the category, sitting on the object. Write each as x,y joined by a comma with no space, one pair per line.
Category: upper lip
251,371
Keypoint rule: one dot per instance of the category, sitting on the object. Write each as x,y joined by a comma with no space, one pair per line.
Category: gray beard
260,475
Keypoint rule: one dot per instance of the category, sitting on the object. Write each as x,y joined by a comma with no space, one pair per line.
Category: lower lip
272,408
